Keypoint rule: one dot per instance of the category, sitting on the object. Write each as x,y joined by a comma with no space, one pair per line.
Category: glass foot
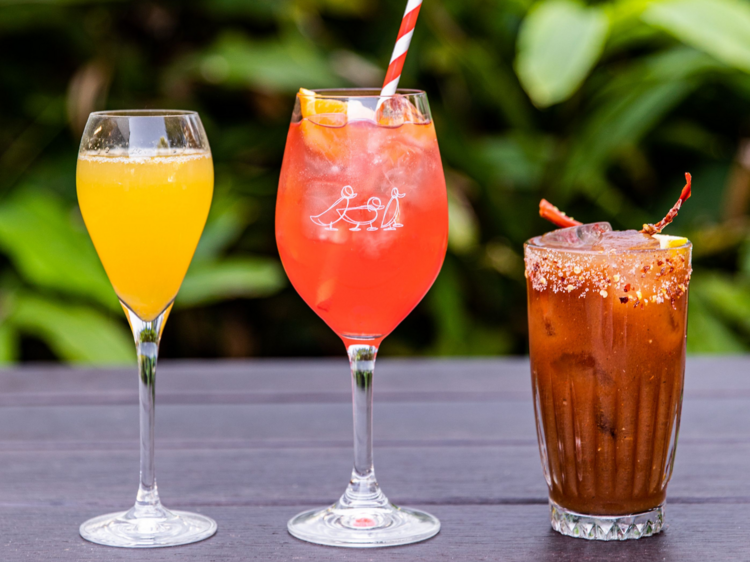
606,528
160,528
365,527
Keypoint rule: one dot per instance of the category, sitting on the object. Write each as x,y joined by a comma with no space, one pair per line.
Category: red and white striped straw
402,46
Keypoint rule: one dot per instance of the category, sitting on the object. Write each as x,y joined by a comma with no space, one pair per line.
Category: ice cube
583,236
628,240
397,110
356,111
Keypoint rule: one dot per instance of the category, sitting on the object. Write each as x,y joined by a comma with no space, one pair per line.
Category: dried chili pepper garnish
548,211
659,226
551,213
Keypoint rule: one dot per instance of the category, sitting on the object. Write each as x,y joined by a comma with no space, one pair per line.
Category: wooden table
252,443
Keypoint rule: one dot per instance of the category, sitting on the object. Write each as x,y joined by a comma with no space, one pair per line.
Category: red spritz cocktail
362,229
362,216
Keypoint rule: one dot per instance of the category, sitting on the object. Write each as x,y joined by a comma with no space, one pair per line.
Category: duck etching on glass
333,214
364,215
361,215
392,211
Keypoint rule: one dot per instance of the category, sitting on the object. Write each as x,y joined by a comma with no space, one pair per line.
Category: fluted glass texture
607,343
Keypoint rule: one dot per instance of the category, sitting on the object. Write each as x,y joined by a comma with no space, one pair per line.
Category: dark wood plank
428,475
297,376
324,422
252,443
470,533
415,424
321,380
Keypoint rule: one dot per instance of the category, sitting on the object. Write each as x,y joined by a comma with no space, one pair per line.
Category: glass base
366,527
606,528
164,528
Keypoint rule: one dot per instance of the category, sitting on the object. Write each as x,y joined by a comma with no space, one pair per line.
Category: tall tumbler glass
607,329
145,182
362,229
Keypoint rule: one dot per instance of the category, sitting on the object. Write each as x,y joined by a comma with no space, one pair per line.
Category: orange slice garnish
322,124
324,111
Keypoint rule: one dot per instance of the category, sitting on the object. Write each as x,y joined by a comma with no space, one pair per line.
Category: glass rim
143,113
530,244
360,93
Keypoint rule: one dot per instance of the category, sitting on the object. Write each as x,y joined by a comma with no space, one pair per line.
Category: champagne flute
362,230
145,183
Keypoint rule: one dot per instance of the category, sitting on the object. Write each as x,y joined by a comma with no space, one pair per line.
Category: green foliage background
600,107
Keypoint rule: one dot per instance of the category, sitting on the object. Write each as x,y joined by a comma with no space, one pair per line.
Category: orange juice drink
145,216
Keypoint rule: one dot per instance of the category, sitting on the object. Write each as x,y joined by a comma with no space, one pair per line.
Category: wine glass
362,230
145,181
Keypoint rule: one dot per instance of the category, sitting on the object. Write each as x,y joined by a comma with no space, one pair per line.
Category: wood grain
509,533
252,443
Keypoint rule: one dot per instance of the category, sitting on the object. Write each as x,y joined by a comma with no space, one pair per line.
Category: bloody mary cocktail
607,326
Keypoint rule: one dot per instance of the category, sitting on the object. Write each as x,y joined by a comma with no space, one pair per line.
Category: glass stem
363,489
147,357
147,336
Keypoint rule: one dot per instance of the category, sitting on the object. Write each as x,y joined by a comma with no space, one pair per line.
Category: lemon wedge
666,241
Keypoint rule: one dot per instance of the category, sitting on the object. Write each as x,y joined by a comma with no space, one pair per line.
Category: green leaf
559,43
8,342
457,333
277,66
744,259
493,81
232,278
706,331
626,109
74,333
627,29
720,28
622,121
10,3
264,9
463,233
626,13
257,9
728,298
677,63
226,221
514,161
38,234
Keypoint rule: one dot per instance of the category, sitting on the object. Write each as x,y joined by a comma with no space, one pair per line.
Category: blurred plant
599,106
59,293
